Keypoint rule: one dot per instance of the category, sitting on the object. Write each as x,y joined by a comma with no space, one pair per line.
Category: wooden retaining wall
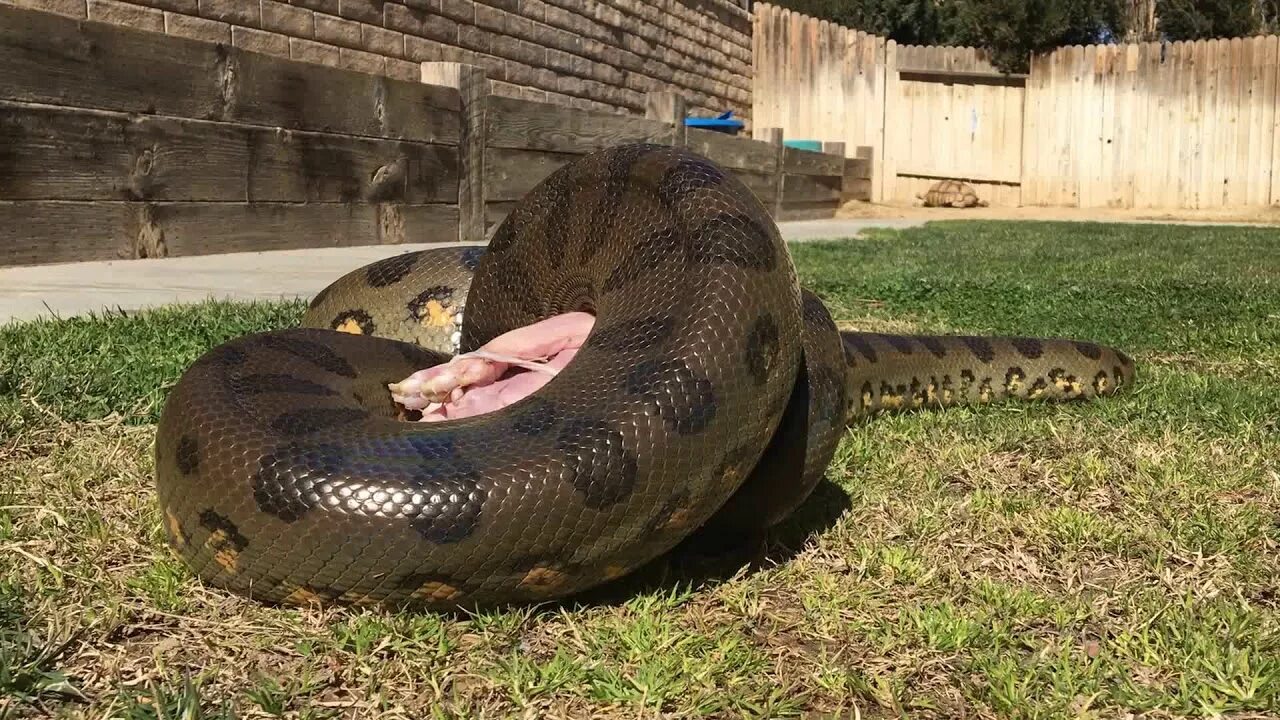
118,144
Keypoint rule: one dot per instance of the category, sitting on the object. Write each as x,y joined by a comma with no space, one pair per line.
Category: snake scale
710,395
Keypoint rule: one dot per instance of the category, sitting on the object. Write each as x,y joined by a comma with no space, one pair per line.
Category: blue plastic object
810,145
724,123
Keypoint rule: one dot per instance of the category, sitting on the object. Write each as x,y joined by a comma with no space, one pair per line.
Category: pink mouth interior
505,370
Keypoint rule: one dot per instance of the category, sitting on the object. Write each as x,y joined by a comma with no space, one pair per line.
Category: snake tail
889,372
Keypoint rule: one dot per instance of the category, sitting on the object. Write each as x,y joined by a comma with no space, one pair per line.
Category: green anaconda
711,393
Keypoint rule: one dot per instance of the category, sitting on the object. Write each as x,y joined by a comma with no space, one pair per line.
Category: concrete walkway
69,289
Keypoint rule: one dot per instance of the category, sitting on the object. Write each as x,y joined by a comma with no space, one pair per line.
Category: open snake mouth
502,372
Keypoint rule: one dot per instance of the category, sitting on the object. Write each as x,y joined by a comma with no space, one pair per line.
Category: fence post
473,87
774,137
668,107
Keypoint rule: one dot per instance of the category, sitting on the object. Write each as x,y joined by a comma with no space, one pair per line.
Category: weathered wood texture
589,54
529,140
116,143
220,149
1178,125
51,232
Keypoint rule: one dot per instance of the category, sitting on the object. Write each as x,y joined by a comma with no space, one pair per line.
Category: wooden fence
117,144
1185,125
1180,125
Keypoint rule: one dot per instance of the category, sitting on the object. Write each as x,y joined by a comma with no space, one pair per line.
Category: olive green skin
710,394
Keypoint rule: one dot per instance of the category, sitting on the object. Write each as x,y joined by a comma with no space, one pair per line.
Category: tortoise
951,193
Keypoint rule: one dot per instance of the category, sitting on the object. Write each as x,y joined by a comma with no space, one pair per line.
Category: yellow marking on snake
350,326
543,579
436,315
175,527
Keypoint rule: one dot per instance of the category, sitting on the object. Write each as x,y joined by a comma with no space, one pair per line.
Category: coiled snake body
711,393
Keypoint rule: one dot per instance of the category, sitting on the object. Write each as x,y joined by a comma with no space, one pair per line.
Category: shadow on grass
700,563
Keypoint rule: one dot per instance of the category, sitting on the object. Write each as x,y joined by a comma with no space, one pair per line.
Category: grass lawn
1081,560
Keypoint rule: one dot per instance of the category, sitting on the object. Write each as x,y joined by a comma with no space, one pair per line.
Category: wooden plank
472,86
805,162
670,110
81,231
806,211
1271,117
1029,169
776,139
1215,166
511,173
50,59
969,77
302,96
56,153
958,175
1183,56
738,153
811,188
762,184
1202,162
546,126
1259,142
1239,154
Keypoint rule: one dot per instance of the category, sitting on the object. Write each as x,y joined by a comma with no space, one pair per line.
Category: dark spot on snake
470,258
1040,385
734,239
312,352
418,306
898,342
605,215
389,271
1014,374
660,244
636,335
686,401
213,521
687,175
452,506
362,320
762,348
1029,348
980,348
308,420
262,383
934,345
602,470
1125,359
859,343
187,455
541,416
828,399
1089,350
226,356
